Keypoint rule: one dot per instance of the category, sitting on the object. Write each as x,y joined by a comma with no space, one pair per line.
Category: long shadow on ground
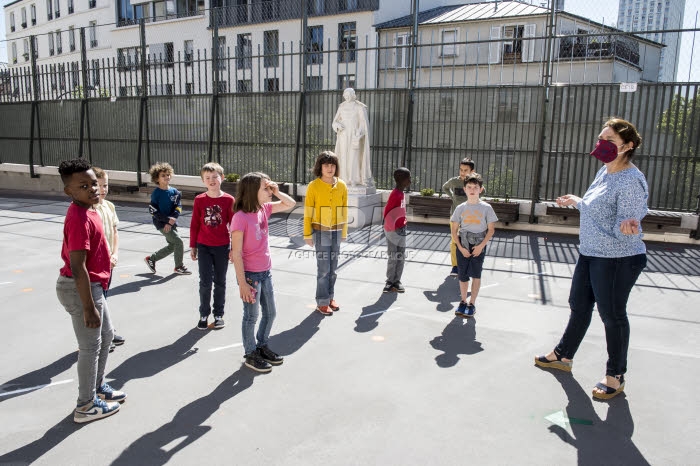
37,379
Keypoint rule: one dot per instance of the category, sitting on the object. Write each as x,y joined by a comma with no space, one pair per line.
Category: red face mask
605,151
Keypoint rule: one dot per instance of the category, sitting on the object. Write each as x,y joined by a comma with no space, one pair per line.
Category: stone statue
351,124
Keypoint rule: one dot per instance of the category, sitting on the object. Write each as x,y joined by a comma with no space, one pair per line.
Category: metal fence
515,106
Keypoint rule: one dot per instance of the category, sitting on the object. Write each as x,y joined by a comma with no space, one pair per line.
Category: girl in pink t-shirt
250,254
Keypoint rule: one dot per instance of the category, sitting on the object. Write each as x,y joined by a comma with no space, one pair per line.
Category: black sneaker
388,288
112,347
399,287
270,356
219,322
257,363
182,270
118,340
203,323
150,263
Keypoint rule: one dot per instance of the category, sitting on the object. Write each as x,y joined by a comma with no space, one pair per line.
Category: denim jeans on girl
93,343
213,265
265,299
606,282
327,245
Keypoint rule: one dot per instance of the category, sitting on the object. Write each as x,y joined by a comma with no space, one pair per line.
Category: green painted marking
561,419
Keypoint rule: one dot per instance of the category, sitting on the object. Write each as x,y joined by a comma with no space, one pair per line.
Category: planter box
230,188
507,212
430,206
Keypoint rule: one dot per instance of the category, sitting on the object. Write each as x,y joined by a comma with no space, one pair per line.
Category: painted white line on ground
380,312
22,390
235,345
488,286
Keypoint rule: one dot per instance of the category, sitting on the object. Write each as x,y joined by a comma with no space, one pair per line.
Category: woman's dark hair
68,167
247,196
325,157
627,132
401,174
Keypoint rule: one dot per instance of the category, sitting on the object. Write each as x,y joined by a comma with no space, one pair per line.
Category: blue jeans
213,265
327,245
93,343
606,282
265,299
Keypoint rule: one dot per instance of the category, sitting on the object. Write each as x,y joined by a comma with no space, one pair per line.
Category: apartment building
655,15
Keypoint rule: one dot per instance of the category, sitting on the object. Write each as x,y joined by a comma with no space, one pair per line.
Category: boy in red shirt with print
395,230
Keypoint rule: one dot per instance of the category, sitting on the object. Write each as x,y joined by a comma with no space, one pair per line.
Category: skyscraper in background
653,15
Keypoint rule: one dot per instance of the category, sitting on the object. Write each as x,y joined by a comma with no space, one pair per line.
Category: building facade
655,15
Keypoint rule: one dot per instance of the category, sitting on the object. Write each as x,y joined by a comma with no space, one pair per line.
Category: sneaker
203,323
150,263
107,393
454,271
335,307
257,363
219,322
182,270
112,347
388,288
324,310
399,287
471,310
461,309
118,340
270,356
94,410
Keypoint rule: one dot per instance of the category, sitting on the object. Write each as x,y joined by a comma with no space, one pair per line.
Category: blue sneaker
461,309
471,310
94,410
107,393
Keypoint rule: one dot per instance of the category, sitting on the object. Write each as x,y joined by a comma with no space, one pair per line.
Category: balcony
277,10
93,43
33,21
51,52
24,25
592,47
57,14
12,29
59,50
72,47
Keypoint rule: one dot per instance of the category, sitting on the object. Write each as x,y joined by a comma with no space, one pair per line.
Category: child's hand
167,228
567,200
309,242
274,187
630,226
113,259
91,318
247,293
477,250
193,254
465,252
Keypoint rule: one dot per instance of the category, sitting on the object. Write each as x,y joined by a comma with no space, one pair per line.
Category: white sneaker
94,410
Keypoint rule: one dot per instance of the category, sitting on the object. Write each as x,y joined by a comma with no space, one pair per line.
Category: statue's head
349,94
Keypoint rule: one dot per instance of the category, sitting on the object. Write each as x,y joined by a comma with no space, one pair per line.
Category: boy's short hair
325,157
468,162
212,167
68,167
474,178
99,173
401,174
158,168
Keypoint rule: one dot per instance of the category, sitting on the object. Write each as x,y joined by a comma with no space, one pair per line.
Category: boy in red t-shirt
395,230
210,243
80,289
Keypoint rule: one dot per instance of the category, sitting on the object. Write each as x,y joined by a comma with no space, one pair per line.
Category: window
314,7
71,38
58,8
347,42
93,34
33,14
12,22
49,9
128,58
74,74
270,10
448,47
222,87
162,54
189,7
244,51
96,73
26,50
244,85
92,3
447,103
223,53
314,83
71,9
314,45
189,52
347,5
62,76
272,84
51,49
189,88
59,43
14,53
24,18
345,81
142,11
125,13
513,49
242,14
271,49
164,10
402,42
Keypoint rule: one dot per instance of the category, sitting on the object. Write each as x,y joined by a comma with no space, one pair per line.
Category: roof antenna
495,5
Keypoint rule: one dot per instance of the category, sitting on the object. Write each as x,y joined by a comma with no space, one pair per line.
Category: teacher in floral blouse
612,255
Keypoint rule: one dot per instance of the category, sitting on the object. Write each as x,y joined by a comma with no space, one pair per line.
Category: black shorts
470,267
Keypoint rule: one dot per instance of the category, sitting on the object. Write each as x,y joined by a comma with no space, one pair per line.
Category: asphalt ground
390,379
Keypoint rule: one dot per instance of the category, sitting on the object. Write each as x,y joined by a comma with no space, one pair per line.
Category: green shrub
427,192
232,177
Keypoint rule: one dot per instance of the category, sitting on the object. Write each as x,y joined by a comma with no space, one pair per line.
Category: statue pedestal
364,206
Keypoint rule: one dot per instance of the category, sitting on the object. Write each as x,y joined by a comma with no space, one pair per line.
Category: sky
597,10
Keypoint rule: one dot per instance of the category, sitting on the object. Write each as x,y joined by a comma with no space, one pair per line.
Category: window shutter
495,47
529,45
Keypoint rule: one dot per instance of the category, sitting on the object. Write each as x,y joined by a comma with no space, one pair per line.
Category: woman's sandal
542,361
609,392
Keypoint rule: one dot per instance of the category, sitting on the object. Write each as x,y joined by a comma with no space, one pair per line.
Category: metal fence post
546,84
35,110
300,143
214,116
83,96
143,105
413,56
